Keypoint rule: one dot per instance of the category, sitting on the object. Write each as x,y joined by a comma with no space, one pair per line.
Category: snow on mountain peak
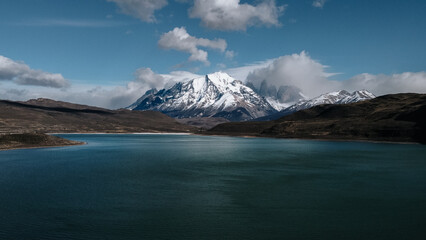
338,97
220,76
220,95
216,94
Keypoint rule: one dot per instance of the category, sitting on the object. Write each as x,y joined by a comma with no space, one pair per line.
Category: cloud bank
22,74
232,15
180,40
311,77
142,9
122,96
299,70
408,82
111,97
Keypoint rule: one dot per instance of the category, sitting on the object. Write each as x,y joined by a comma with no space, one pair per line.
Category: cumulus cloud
179,39
233,15
22,74
311,77
319,3
414,82
146,76
298,70
145,79
142,9
111,97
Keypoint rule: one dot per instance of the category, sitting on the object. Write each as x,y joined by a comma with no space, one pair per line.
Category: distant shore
136,133
216,134
255,136
13,141
48,140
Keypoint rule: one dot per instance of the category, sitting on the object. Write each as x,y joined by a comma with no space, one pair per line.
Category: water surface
202,187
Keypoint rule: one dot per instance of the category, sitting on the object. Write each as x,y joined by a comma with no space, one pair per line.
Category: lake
204,187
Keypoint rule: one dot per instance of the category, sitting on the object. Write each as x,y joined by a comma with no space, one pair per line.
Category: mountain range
398,117
215,95
218,95
339,97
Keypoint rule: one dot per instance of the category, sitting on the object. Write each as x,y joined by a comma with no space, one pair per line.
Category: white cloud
22,74
319,3
311,77
233,15
241,73
298,70
142,9
111,97
179,39
145,79
414,82
178,76
146,76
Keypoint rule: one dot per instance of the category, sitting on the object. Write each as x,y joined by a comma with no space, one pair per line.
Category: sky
109,52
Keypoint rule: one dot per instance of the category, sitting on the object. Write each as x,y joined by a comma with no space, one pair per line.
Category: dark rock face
397,117
284,94
288,94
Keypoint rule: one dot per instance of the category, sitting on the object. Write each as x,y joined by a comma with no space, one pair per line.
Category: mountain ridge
337,97
215,95
218,95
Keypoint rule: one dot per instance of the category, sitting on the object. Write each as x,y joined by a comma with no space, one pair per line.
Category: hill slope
48,116
32,140
397,117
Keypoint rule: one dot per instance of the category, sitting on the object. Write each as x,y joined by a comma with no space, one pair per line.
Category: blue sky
102,43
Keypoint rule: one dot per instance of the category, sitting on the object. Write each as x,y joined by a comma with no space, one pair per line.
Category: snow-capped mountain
339,97
215,95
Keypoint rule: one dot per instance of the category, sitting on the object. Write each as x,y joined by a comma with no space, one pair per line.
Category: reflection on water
195,187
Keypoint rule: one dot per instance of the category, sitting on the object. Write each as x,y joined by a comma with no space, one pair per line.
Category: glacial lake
205,187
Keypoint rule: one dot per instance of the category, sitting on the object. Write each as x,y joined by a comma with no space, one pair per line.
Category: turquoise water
196,187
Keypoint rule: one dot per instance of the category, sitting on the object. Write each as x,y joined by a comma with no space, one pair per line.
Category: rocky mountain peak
213,95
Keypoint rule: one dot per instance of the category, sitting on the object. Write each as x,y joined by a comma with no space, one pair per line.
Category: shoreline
254,136
37,147
76,143
316,139
135,133
33,140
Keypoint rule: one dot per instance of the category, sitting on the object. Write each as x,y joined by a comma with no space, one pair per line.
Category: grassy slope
47,116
